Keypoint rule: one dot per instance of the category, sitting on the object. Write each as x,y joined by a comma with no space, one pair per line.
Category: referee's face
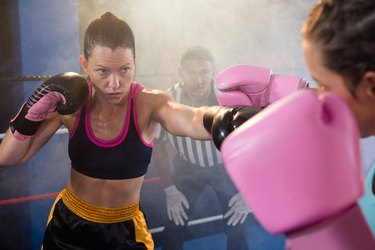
197,75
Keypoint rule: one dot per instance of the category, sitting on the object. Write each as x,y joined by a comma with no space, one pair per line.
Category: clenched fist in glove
63,93
226,120
301,156
254,86
176,201
245,90
238,210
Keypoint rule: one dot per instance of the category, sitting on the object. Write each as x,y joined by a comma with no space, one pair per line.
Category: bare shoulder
154,97
154,105
68,120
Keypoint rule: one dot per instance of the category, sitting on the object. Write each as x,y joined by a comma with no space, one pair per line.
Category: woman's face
331,81
111,72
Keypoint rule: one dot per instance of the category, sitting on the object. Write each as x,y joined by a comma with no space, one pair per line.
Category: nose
200,78
114,81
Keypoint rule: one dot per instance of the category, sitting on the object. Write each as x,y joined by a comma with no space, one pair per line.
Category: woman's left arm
181,120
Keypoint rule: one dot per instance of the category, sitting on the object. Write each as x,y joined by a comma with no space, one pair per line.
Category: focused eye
189,71
102,72
205,72
125,70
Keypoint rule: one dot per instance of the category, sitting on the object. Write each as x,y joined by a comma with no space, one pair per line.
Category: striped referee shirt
200,153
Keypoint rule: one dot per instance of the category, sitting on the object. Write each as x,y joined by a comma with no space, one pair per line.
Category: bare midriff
105,193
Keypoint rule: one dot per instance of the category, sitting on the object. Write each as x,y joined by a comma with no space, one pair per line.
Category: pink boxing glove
63,93
297,165
254,86
297,162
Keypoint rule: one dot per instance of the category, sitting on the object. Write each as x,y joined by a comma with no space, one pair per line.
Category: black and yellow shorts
75,224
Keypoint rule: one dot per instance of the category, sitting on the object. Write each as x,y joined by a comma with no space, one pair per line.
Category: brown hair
197,52
109,31
344,30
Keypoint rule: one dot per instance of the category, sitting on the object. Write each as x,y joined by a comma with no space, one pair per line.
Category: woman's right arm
14,151
37,121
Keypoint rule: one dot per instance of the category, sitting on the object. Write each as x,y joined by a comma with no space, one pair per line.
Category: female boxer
110,143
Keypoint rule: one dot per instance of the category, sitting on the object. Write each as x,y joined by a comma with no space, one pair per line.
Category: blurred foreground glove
254,86
175,205
238,210
297,165
284,154
63,93
246,90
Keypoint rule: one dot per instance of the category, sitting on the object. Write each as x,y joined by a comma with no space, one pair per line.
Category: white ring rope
59,131
157,229
192,222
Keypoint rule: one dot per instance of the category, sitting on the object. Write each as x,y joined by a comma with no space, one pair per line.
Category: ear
368,81
83,63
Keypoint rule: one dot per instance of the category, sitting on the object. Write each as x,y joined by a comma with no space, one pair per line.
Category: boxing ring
29,189
45,179
152,202
206,226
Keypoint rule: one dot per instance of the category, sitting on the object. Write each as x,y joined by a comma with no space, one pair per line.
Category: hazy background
43,37
258,32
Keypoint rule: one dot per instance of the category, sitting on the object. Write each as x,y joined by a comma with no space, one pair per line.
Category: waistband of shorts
98,214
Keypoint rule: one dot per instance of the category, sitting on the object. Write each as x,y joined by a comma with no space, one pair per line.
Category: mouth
114,95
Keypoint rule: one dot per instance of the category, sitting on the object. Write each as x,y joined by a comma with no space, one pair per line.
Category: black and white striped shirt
201,153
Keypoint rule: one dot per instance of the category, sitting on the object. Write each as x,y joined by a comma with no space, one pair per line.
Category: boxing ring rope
148,180
59,131
193,222
25,78
34,78
51,195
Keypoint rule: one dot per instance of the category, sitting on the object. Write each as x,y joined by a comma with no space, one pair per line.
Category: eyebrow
122,66
99,66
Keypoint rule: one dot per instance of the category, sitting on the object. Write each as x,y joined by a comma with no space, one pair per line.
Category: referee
196,164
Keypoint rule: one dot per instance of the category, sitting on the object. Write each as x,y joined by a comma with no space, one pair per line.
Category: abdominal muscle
105,193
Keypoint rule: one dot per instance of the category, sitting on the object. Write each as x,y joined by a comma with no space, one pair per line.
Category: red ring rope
52,195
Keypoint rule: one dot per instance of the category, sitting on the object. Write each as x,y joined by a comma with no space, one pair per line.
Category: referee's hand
238,210
176,202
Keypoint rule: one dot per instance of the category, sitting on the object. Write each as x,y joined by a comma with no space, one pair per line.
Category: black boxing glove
226,120
63,93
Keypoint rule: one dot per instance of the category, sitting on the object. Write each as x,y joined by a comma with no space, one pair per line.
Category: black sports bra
127,156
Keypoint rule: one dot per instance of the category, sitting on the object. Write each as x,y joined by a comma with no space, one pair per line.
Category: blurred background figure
194,165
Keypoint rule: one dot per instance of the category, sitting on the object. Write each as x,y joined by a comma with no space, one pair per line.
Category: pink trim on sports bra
134,90
76,123
151,144
118,139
